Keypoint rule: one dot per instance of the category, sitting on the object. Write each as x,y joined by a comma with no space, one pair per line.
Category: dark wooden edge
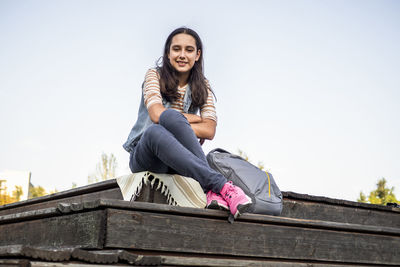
25,254
62,208
50,254
207,260
59,254
112,183
193,212
28,215
341,202
15,262
255,218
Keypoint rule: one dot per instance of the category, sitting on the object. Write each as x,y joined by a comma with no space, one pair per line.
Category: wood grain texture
243,262
164,232
70,264
338,213
247,217
73,230
99,256
113,193
287,195
14,263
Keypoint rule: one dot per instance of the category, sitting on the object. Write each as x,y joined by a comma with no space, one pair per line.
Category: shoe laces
231,191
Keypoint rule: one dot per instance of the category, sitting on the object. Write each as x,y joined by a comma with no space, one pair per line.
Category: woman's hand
192,118
205,129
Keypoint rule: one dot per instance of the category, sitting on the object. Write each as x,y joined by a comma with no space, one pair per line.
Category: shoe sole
243,208
216,206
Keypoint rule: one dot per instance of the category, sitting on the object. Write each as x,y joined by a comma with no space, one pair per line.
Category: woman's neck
183,79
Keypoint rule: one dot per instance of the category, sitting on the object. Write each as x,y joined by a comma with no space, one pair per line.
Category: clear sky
309,88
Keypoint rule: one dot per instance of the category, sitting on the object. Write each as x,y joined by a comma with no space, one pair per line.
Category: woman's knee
170,118
153,133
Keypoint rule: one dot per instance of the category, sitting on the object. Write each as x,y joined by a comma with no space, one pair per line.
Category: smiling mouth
181,63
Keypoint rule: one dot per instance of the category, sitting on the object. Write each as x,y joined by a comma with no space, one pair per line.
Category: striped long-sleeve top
152,95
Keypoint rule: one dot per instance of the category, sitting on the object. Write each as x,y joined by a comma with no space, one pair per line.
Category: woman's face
183,52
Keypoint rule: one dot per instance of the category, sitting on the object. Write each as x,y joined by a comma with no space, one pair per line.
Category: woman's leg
158,149
178,125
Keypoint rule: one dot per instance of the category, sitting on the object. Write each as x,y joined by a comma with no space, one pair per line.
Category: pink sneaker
237,200
215,201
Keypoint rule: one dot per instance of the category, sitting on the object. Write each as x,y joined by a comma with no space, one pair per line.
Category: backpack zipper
269,184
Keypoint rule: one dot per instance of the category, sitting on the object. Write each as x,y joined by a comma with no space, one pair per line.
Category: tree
105,169
36,191
381,195
6,198
17,193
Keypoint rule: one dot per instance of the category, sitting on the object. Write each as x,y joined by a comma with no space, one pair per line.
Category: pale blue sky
310,88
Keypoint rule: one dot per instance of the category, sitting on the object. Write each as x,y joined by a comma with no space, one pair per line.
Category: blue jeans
171,146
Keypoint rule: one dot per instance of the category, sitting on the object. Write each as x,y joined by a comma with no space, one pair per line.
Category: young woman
176,115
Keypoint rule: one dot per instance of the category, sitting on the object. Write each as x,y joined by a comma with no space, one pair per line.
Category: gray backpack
256,183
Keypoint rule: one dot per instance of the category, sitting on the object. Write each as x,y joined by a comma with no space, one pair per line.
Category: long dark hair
169,76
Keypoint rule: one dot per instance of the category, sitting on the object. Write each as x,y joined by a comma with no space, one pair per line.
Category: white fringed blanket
179,190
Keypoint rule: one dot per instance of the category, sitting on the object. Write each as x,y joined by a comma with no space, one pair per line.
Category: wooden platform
93,225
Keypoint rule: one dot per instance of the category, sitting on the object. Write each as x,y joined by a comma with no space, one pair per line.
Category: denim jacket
143,120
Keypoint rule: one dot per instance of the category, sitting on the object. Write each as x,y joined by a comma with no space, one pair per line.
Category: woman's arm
192,118
155,111
204,129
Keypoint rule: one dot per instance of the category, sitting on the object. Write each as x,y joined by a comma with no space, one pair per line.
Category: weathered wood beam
206,213
69,264
85,230
100,256
240,262
184,234
15,263
338,213
107,190
296,205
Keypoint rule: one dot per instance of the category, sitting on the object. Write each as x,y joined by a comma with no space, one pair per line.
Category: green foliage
36,191
17,193
6,198
105,169
362,198
381,195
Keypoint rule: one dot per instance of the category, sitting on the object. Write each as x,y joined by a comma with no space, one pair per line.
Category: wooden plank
73,230
256,218
22,251
11,251
99,256
34,204
243,262
14,263
48,254
333,201
32,214
338,213
69,264
105,189
184,234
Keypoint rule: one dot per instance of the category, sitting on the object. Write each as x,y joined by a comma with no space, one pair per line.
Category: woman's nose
182,54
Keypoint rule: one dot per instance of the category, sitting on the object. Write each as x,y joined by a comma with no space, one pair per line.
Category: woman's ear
198,54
